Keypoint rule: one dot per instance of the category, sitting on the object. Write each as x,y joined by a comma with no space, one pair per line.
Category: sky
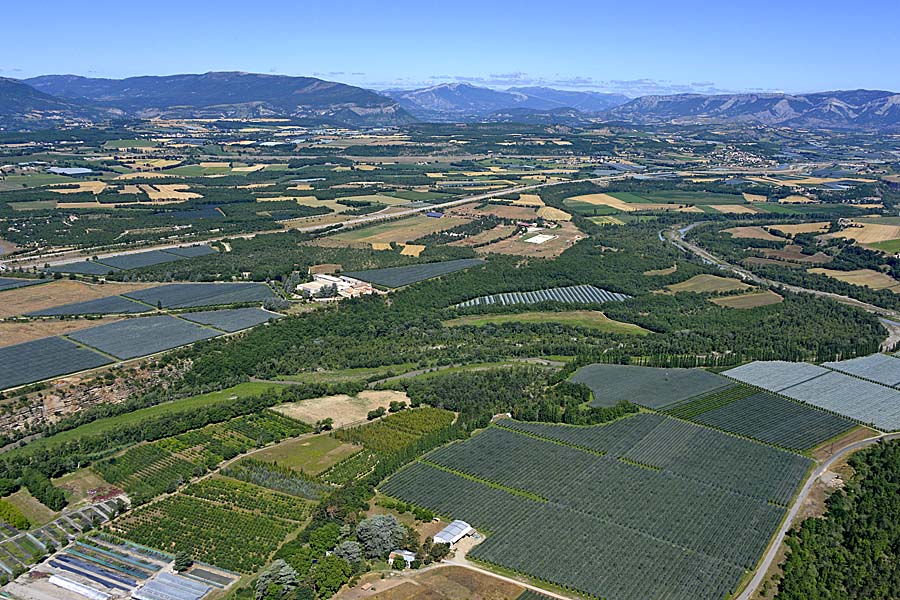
633,47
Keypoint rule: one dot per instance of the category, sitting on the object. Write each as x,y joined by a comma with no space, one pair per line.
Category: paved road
769,557
676,237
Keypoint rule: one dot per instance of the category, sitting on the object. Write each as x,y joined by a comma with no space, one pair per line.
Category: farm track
766,562
676,236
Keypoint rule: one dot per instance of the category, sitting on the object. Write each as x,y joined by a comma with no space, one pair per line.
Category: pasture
705,284
748,301
589,319
311,455
686,525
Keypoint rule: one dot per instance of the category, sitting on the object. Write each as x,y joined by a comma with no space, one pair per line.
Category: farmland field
704,283
452,583
854,398
44,358
647,386
394,277
85,267
139,259
401,231
101,306
189,295
342,408
751,300
142,336
231,319
18,332
862,277
765,417
880,368
311,455
581,294
577,318
223,535
703,519
11,283
752,233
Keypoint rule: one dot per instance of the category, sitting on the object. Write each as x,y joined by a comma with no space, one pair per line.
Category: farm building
453,532
434,214
71,171
166,586
407,556
345,287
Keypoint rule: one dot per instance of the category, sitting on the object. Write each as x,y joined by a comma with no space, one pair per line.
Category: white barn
453,532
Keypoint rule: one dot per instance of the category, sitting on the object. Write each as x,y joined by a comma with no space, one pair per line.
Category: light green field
891,246
121,144
34,511
679,197
577,318
19,182
417,196
176,406
197,171
33,205
312,454
344,375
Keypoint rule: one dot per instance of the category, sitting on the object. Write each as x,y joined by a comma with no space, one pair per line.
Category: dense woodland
854,552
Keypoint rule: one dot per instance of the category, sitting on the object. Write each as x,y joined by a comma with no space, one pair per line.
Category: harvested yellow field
170,191
365,167
381,246
412,250
734,209
794,229
95,204
127,176
754,197
301,187
862,277
304,200
130,189
553,214
253,186
94,187
215,165
248,169
751,233
868,233
659,272
342,408
892,178
796,199
528,200
605,200
606,220
708,283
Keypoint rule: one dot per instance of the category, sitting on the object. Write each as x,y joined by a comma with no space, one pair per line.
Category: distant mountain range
452,101
870,109
225,94
48,100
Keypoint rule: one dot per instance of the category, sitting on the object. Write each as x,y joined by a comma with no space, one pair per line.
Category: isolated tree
380,534
350,551
183,561
277,582
329,574
399,563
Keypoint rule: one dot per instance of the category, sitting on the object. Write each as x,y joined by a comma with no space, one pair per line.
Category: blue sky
633,46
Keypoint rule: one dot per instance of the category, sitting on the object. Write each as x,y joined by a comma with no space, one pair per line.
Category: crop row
251,498
230,539
689,410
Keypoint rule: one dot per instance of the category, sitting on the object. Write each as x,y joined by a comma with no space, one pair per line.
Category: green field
312,454
577,318
891,246
344,375
18,182
183,405
679,197
587,209
33,205
197,171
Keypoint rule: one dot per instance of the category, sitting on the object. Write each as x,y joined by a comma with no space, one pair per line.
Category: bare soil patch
17,332
794,253
567,234
863,277
746,301
752,233
708,283
795,228
342,408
